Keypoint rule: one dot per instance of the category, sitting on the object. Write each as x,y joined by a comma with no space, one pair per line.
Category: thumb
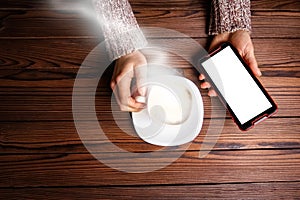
251,61
218,40
141,78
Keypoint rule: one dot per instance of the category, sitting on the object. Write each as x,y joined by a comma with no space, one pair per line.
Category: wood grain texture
62,137
25,64
43,44
192,23
280,190
43,108
291,5
36,170
59,54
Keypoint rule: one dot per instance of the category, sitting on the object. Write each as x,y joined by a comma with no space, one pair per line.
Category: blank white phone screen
236,85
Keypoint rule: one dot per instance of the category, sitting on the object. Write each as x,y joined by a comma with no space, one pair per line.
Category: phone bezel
258,118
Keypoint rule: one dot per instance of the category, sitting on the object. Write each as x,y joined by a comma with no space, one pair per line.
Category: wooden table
42,156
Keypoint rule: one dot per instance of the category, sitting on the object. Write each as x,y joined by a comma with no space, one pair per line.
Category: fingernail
140,99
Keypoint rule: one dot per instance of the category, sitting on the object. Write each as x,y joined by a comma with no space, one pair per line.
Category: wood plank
272,5
57,82
62,137
150,4
43,108
59,170
28,107
68,54
45,157
265,24
45,53
291,5
51,111
276,190
55,70
58,66
36,23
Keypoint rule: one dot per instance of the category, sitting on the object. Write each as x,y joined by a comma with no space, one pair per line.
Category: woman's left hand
241,40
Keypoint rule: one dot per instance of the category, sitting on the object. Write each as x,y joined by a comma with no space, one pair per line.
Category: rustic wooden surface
42,156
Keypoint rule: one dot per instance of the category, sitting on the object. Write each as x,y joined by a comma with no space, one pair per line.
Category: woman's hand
241,40
126,68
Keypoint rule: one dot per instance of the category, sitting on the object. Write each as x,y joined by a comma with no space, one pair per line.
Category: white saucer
162,134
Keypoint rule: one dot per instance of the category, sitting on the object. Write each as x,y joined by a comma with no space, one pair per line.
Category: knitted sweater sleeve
229,16
120,28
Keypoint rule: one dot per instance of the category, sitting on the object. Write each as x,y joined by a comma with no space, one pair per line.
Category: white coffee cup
173,114
168,103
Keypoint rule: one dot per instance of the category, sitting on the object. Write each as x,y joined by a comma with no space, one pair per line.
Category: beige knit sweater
124,36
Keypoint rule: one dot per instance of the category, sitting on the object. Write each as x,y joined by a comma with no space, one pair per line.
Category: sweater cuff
123,43
229,16
120,29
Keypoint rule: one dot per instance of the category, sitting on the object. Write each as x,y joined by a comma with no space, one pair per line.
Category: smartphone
237,87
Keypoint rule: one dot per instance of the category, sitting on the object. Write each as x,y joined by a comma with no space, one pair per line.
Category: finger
123,84
112,85
133,103
122,92
201,77
218,40
251,61
117,98
141,78
212,93
140,99
130,105
214,44
127,108
127,103
205,85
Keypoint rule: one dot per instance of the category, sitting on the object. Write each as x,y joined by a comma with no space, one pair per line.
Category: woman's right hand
126,68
